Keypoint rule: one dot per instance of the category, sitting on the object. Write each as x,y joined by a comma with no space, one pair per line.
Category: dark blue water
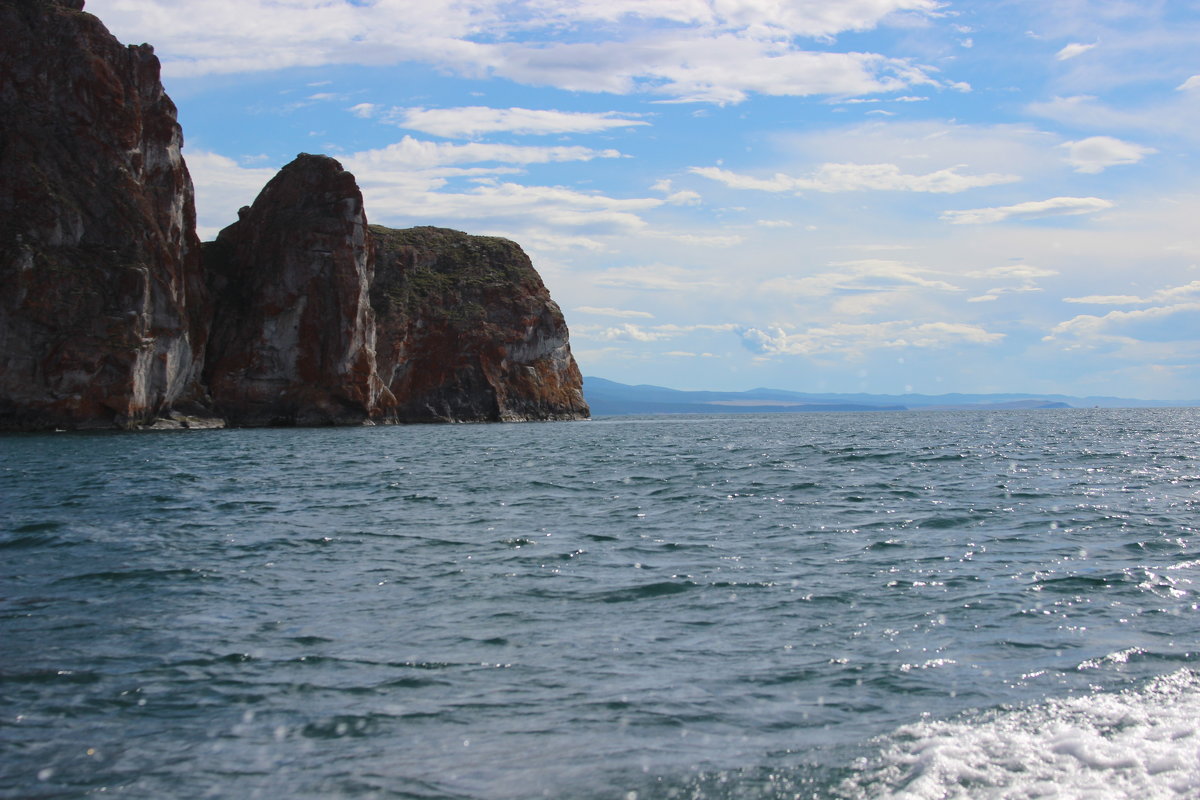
950,604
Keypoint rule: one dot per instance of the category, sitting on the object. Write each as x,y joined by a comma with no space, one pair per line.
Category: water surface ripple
817,605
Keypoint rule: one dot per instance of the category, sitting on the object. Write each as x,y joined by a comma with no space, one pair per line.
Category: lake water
916,604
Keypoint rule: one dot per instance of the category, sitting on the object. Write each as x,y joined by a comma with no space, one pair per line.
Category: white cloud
1190,84
624,333
703,326
1073,50
851,101
853,340
472,121
773,223
613,312
629,332
995,293
222,187
865,275
1023,275
697,239
692,51
655,277
1055,206
684,198
1089,329
1176,293
810,19
723,68
1024,272
1157,115
364,110
508,204
858,177
410,153
1106,299
408,182
1096,153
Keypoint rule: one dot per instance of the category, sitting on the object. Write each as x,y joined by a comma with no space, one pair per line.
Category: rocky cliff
293,338
102,303
321,319
111,317
467,331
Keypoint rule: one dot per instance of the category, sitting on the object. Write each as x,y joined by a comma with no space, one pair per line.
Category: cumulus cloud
1055,206
817,20
410,153
857,339
471,121
1090,329
723,68
1097,153
628,333
1072,50
514,205
858,177
691,51
684,198
412,181
1190,84
222,187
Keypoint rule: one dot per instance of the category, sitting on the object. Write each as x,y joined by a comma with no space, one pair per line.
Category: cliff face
102,303
111,317
293,338
467,331
457,328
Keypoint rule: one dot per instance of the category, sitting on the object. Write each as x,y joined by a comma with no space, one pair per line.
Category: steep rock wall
293,337
468,332
111,317
102,304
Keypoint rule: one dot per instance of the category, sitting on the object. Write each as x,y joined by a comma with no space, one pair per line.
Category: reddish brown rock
105,318
468,332
293,336
102,306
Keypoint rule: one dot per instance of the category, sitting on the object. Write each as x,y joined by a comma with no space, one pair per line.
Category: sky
885,196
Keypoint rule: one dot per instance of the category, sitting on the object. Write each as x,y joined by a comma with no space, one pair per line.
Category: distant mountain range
609,398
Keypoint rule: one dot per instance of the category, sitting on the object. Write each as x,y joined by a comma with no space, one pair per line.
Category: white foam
1142,743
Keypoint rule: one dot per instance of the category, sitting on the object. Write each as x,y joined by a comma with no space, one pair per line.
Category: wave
1141,742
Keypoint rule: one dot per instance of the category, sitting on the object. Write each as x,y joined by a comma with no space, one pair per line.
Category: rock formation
467,331
293,336
111,317
102,304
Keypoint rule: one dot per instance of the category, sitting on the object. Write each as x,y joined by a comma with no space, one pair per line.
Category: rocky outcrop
293,336
102,304
111,317
467,331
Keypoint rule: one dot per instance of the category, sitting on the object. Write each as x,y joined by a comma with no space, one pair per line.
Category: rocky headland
113,315
102,300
